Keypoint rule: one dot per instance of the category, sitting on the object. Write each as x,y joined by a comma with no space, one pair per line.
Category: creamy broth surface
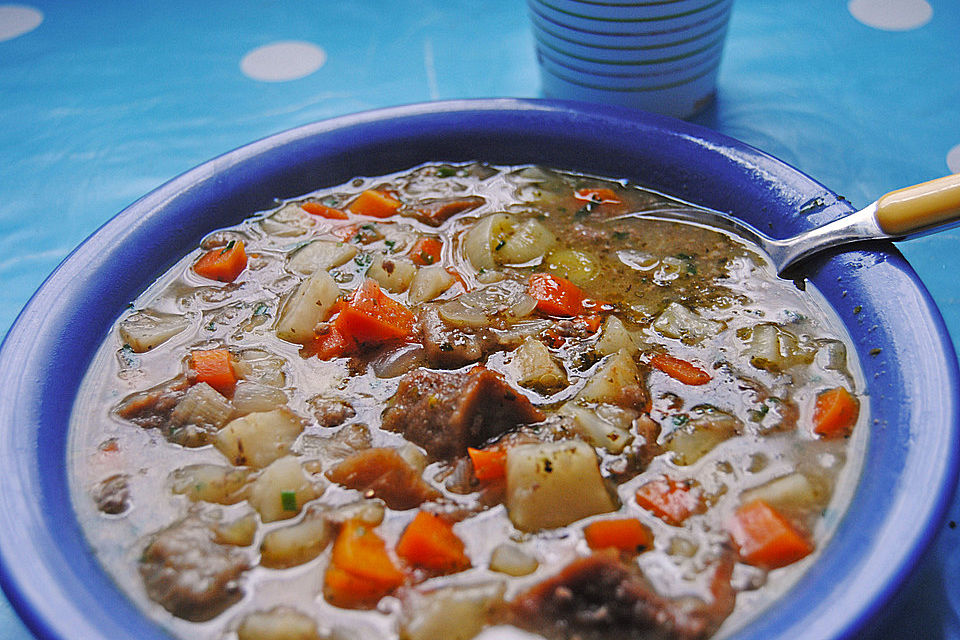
466,400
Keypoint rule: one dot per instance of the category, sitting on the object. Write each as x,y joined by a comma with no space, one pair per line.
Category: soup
466,399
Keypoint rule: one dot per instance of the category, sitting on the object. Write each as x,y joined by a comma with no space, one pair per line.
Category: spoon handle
914,209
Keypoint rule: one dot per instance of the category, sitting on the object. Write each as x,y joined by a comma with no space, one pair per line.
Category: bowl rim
59,589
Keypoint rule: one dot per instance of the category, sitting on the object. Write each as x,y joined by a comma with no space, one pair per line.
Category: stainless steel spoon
899,215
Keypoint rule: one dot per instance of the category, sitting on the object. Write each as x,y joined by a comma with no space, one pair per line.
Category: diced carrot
372,317
670,500
458,278
625,534
426,251
681,370
223,263
835,413
317,209
360,571
375,203
592,322
765,538
347,591
555,296
430,543
488,464
332,344
215,367
599,195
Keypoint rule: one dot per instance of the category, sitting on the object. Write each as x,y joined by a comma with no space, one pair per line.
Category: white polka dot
891,15
282,61
953,159
17,19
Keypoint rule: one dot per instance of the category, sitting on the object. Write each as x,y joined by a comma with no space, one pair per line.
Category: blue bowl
62,593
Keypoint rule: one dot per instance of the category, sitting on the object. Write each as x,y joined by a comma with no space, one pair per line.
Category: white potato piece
238,533
512,560
250,397
147,329
320,254
774,348
577,266
451,613
220,484
617,373
676,321
279,623
483,236
392,274
532,366
790,492
310,303
281,490
202,405
615,336
612,435
289,221
700,436
259,438
297,543
553,484
428,283
528,241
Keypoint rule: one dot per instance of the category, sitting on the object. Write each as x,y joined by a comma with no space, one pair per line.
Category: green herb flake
680,420
288,499
211,327
500,245
229,246
390,244
446,171
261,309
620,235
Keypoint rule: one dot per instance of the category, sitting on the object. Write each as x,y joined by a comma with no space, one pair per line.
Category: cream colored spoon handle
910,210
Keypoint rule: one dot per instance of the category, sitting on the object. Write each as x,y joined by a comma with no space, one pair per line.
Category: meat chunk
601,597
447,411
112,495
436,212
449,347
152,409
383,473
186,571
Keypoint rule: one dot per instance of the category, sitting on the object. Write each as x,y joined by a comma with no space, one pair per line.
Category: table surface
101,102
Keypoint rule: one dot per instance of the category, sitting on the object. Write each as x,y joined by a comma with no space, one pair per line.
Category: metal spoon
898,215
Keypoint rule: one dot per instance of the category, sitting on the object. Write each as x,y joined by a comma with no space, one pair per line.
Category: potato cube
282,490
259,438
553,484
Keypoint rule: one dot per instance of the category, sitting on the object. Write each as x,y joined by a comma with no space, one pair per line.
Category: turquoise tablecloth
100,102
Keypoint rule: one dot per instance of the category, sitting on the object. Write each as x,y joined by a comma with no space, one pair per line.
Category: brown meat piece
448,347
151,409
447,411
112,495
436,212
601,597
186,571
383,473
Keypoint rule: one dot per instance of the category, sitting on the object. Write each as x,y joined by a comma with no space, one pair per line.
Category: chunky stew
462,400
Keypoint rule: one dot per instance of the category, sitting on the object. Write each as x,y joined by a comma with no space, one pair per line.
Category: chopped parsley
229,246
288,499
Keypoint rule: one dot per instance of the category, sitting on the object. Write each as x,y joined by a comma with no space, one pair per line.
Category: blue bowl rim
60,591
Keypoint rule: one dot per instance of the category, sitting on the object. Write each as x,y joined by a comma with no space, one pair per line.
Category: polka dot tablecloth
102,102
